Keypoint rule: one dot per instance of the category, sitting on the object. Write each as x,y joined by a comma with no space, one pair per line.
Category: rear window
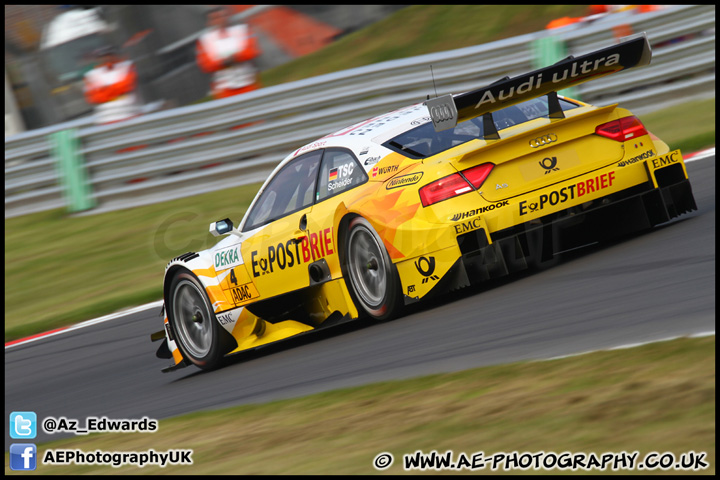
424,141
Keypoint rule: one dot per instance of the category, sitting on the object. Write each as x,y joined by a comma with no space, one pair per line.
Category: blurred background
48,49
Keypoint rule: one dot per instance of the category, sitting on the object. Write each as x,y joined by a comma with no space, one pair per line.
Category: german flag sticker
333,174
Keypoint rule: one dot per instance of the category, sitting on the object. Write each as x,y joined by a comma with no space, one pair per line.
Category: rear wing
447,111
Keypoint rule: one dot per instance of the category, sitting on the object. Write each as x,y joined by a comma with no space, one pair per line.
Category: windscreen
424,141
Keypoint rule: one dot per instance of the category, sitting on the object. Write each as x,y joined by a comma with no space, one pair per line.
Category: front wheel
199,336
372,277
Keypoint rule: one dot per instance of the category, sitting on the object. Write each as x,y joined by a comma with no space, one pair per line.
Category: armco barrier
199,148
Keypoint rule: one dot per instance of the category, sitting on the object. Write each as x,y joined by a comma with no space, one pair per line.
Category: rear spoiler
447,111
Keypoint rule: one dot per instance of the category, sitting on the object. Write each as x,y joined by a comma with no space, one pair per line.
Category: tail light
455,184
622,130
477,175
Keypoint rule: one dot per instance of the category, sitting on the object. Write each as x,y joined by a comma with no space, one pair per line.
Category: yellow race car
420,201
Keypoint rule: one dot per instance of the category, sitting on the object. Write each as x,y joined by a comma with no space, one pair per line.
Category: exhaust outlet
319,272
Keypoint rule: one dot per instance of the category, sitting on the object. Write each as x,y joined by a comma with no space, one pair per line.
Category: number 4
233,278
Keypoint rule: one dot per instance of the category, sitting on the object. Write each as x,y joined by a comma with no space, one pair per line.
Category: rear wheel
199,336
372,278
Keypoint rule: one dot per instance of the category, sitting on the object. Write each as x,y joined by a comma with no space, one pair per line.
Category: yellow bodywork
498,175
422,242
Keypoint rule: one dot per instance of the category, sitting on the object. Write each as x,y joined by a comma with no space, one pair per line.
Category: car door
273,252
340,172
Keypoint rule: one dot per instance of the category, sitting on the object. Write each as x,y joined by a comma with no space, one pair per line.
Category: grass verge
695,130
62,269
418,30
655,398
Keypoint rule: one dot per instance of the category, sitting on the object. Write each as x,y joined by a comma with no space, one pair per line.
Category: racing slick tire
371,277
200,338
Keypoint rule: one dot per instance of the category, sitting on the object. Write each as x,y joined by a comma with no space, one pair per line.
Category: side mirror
223,227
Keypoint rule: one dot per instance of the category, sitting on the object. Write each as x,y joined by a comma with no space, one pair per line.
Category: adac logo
242,294
549,164
426,268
